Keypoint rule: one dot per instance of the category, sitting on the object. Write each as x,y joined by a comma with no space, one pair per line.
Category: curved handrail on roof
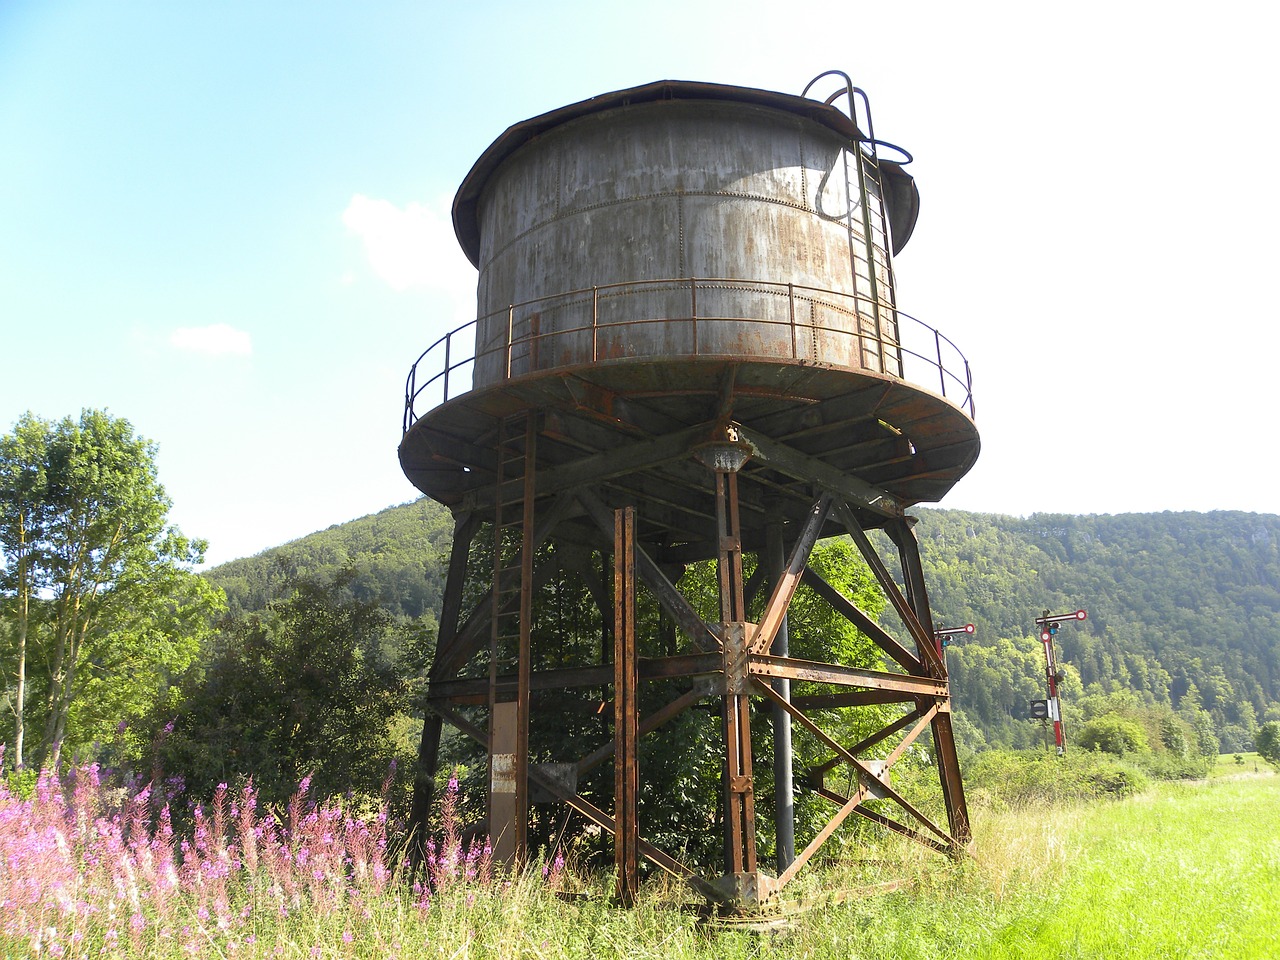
919,352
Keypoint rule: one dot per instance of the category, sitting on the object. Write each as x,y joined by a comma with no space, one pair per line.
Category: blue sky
229,223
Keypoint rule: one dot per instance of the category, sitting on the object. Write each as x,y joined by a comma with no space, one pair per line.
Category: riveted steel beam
801,466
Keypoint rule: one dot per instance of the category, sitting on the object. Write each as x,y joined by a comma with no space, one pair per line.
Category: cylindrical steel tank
681,220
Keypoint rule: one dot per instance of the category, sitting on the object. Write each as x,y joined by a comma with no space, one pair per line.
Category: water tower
688,348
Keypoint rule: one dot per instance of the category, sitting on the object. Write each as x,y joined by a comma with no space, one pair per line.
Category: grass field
1181,871
1228,766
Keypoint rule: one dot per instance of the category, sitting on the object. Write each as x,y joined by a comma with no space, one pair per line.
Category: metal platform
633,426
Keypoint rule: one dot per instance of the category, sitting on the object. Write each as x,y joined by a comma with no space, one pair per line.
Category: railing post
791,317
968,387
408,397
942,373
693,311
511,319
448,340
595,322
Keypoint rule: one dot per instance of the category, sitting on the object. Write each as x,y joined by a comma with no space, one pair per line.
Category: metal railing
922,355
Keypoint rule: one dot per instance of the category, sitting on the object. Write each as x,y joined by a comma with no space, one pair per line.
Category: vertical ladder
512,598
508,529
870,250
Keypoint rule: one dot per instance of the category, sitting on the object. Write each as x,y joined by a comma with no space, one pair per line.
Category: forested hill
399,556
1184,608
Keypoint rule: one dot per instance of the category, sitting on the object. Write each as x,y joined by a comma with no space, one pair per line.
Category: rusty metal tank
683,220
651,248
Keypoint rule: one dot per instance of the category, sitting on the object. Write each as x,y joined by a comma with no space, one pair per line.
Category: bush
1114,734
1168,766
1267,742
1016,778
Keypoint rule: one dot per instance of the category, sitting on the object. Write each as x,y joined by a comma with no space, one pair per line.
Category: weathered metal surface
686,186
464,208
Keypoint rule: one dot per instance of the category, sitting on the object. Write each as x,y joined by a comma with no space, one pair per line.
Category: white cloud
216,340
413,246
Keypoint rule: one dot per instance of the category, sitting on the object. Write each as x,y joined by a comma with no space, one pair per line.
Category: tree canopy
100,604
302,689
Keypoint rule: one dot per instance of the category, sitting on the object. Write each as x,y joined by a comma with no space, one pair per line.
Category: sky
229,224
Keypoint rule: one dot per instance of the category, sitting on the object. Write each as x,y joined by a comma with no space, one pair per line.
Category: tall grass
90,872
86,872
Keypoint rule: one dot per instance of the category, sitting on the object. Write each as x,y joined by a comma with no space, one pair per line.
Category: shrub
1026,777
1267,742
1114,734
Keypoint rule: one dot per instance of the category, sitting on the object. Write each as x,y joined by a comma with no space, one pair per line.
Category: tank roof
901,195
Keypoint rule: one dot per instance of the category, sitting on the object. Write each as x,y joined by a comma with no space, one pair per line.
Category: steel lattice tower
688,347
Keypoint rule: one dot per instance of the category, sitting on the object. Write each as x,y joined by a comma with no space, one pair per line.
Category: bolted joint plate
723,457
737,656
747,889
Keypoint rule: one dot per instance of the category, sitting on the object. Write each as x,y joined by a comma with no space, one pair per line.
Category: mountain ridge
1184,606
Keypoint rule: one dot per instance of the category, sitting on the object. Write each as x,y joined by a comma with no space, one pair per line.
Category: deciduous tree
97,584
1267,742
299,690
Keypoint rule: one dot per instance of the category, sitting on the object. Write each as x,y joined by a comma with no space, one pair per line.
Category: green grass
1183,870
1228,766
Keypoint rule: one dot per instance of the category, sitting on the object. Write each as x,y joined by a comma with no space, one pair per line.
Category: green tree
23,516
98,590
1112,733
1267,742
299,690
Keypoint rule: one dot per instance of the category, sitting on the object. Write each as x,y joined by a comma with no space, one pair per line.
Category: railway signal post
1051,709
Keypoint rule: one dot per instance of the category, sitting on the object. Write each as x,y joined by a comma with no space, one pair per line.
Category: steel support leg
464,530
626,714
740,813
944,743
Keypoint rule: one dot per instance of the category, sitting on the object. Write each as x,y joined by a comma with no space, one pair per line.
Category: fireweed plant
89,871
